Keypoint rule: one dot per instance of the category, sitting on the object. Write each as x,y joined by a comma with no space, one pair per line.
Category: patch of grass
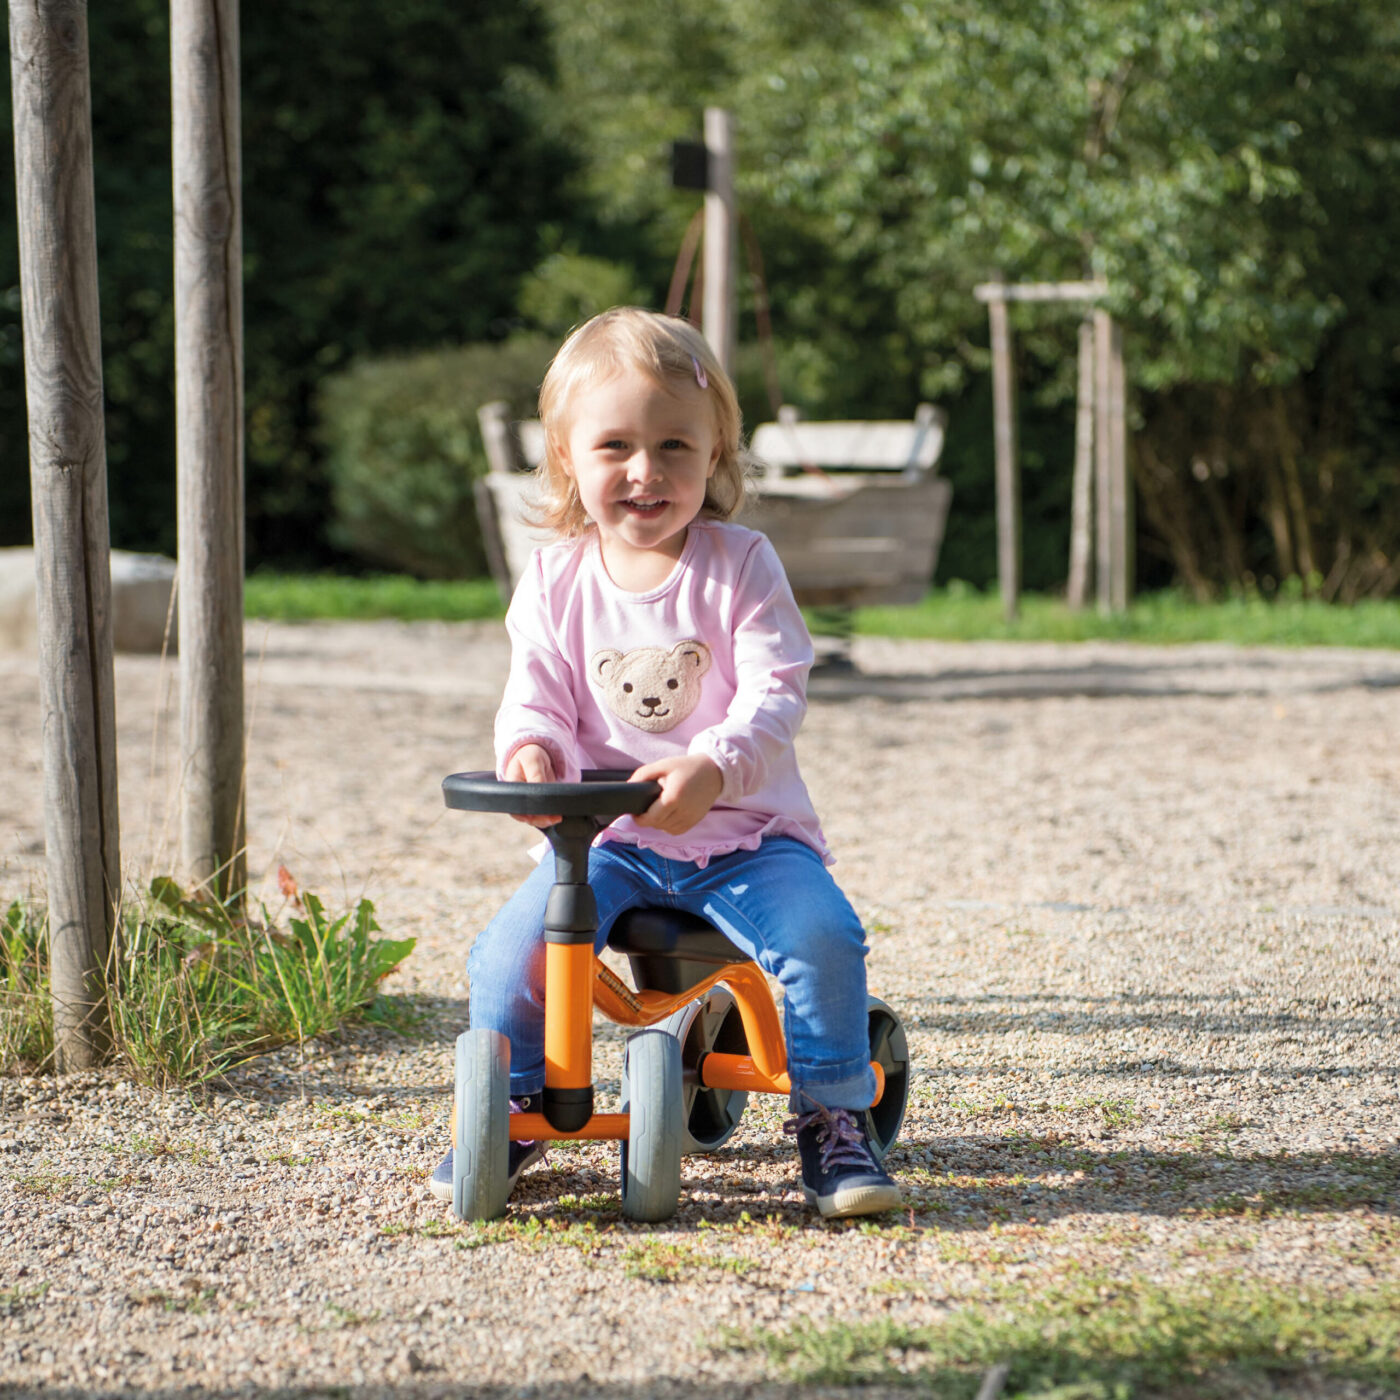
303,597
142,1145
601,1204
44,1183
663,1261
533,1232
956,612
1105,1341
770,1227
961,613
195,987
289,1159
15,1300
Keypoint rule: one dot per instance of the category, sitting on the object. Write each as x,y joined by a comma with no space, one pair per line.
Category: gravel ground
1138,907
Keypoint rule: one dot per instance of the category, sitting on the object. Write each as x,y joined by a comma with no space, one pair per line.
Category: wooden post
1082,495
68,474
1103,460
1008,482
209,431
1122,501
718,317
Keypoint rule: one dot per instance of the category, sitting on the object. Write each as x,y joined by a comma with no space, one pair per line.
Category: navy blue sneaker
522,1155
841,1176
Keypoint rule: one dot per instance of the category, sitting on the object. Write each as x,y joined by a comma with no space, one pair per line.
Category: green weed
663,1261
26,1015
532,1233
195,986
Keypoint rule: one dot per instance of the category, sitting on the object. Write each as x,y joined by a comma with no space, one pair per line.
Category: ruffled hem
701,854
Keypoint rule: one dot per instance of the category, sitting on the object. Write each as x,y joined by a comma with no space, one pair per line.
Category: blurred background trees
425,177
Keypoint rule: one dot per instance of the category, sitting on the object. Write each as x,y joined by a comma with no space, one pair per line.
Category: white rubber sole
855,1200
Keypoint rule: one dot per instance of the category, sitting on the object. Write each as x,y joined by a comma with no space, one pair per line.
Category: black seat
670,951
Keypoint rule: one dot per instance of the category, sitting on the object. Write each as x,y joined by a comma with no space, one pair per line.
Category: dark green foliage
403,448
395,191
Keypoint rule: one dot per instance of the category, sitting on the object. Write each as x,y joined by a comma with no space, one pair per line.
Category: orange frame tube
568,1026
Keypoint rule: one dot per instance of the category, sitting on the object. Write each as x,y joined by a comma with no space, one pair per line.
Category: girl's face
640,454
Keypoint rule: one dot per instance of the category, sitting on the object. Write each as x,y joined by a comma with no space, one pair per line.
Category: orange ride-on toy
708,1030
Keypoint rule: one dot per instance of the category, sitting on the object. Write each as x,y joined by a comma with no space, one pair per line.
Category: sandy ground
1138,908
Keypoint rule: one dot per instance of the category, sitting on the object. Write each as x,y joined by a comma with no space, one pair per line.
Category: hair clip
700,378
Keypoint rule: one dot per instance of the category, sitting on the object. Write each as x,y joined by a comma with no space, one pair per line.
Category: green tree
1226,169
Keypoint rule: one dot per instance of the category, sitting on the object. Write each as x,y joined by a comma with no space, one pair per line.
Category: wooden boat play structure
856,510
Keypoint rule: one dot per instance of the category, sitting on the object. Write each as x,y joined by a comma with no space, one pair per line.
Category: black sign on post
690,165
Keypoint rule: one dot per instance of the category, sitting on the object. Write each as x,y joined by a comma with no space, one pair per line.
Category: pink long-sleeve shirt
714,661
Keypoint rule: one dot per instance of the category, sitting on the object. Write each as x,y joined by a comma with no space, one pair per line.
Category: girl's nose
642,467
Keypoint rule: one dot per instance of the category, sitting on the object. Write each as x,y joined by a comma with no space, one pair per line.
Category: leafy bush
195,988
403,449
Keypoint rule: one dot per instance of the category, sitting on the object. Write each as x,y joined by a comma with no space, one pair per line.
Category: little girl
655,636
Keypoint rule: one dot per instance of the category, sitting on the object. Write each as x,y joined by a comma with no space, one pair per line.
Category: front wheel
889,1048
651,1153
481,1153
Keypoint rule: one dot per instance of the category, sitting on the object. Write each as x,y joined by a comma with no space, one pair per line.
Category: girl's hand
690,786
531,763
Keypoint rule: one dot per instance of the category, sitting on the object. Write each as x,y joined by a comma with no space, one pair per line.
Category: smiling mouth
645,506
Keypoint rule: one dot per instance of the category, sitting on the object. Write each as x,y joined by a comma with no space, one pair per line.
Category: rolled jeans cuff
854,1091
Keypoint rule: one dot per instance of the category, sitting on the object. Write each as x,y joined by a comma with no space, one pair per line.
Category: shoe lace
840,1141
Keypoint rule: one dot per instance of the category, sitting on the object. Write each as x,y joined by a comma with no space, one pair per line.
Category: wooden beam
718,318
51,90
1081,540
209,437
1040,291
1007,476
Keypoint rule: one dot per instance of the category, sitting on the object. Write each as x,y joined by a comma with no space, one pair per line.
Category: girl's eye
615,445
672,445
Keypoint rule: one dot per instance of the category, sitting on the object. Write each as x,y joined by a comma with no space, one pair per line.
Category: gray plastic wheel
481,1159
889,1048
651,1153
711,1022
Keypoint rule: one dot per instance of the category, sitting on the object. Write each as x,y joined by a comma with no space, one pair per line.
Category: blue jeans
778,904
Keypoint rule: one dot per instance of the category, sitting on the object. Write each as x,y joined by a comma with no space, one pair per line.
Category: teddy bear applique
651,688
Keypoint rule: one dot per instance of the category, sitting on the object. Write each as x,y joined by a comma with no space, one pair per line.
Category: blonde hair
661,347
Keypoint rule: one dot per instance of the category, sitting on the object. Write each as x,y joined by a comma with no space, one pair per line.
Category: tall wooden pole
1122,500
1081,540
1104,548
68,474
209,437
1007,475
718,318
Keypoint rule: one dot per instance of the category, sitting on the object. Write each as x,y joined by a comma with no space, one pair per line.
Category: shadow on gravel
403,1029
1232,675
1209,1015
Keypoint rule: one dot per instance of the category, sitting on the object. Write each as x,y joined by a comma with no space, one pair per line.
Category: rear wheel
889,1048
711,1022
